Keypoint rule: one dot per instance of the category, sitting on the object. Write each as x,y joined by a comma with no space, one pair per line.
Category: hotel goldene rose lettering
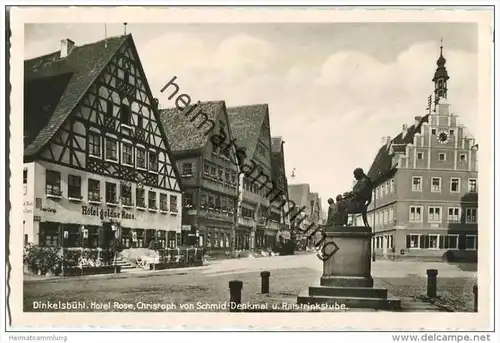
106,213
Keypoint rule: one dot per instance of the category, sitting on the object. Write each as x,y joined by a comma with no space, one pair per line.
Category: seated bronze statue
353,202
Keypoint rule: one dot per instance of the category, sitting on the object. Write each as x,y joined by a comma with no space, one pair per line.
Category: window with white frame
387,188
53,183
163,202
434,214
187,169
412,241
453,214
74,186
471,215
436,184
111,149
416,184
463,158
455,185
442,156
128,154
94,144
153,161
433,241
391,215
470,242
393,183
472,186
420,156
173,203
141,158
415,214
111,194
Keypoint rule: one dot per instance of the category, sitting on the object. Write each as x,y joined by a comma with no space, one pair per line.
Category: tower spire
441,77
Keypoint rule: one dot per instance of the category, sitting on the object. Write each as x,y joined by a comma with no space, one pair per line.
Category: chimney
417,120
67,46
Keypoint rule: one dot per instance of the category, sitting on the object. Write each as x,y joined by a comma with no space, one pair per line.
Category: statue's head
339,197
358,173
330,201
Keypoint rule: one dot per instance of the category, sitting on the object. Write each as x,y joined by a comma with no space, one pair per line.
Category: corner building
425,203
96,160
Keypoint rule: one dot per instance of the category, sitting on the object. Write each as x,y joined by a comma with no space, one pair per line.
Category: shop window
171,239
49,234
178,239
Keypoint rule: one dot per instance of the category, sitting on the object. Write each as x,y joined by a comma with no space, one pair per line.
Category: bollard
431,282
264,286
474,290
235,287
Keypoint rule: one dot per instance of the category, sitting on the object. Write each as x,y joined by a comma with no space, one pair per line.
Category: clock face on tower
443,137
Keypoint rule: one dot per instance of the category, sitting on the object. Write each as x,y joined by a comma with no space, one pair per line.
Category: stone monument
347,251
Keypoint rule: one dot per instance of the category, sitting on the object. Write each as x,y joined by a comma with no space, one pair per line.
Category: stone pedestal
346,275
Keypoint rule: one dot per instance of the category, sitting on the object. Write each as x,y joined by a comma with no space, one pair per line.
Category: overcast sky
334,90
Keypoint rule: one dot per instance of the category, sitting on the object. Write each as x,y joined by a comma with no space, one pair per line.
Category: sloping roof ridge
59,123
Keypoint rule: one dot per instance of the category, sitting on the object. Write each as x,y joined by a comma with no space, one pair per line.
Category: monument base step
390,302
357,292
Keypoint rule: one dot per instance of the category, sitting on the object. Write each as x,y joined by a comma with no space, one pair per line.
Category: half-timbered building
209,173
280,206
97,160
251,128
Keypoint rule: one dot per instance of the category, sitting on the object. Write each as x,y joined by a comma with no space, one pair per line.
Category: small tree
115,246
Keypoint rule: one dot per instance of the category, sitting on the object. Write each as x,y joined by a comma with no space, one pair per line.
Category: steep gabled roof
71,77
184,134
382,164
277,164
246,125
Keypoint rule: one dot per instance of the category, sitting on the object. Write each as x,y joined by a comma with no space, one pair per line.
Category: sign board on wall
104,213
186,227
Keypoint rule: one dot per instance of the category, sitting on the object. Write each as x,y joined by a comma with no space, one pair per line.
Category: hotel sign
105,213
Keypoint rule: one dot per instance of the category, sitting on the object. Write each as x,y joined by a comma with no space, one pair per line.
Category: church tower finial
441,77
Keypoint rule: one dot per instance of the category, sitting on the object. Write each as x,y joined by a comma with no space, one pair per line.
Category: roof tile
82,67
